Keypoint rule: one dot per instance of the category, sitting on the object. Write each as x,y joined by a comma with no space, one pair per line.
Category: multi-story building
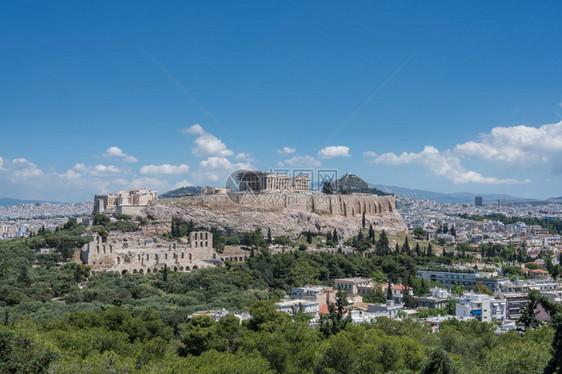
468,280
477,306
351,285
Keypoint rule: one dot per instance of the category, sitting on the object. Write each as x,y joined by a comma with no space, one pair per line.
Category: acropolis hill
286,213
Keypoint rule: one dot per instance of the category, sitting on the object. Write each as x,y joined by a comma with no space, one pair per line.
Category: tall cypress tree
363,221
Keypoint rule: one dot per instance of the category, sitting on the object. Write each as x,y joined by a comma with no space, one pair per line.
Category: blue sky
472,100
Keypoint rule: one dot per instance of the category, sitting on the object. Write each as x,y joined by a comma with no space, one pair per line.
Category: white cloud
209,145
444,164
302,161
244,157
80,167
1,163
182,183
286,150
151,183
560,104
20,168
165,169
519,146
195,129
116,152
106,168
369,154
334,151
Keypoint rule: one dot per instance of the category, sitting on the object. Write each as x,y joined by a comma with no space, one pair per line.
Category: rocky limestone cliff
288,213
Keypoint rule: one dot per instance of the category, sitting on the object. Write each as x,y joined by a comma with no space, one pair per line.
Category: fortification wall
341,205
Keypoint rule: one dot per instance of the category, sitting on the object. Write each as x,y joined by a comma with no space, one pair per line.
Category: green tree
328,188
439,362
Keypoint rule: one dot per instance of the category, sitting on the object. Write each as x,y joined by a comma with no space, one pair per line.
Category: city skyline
431,97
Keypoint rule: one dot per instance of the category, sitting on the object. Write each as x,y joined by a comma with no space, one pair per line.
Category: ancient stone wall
131,253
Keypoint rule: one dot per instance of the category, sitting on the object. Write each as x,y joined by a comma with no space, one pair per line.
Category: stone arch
138,258
380,207
182,255
195,244
189,256
187,268
155,270
118,260
201,243
195,236
134,271
390,208
241,259
195,267
353,212
148,271
124,272
141,271
181,268
206,236
111,248
175,269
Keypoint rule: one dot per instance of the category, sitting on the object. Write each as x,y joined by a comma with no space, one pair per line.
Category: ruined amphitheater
144,254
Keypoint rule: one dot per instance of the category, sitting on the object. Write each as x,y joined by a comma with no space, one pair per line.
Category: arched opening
141,271
175,268
241,259
195,267
206,244
187,268
148,271
134,271
181,268
195,244
118,259
124,272
201,244
182,255
190,257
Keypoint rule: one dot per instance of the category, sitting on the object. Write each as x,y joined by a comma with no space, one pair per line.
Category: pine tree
397,249
165,275
335,236
406,246
329,236
360,235
309,237
383,245
418,250
371,232
389,291
269,239
429,250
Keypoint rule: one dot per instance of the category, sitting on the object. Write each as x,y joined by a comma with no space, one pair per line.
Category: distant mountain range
6,201
457,197
556,198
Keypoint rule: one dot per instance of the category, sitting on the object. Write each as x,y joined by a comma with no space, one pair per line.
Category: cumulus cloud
116,152
369,154
334,151
301,161
165,169
286,150
106,168
195,129
445,164
519,145
182,183
209,145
